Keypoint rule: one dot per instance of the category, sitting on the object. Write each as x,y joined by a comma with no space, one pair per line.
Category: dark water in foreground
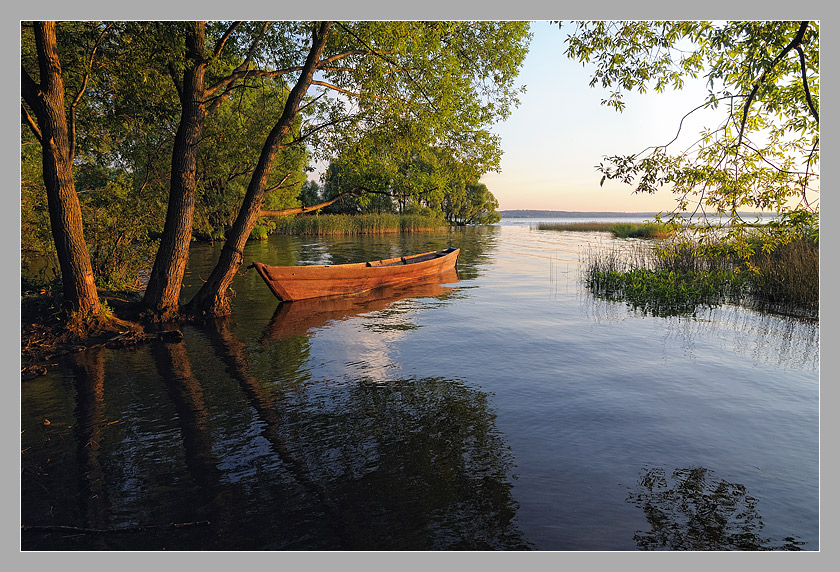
503,410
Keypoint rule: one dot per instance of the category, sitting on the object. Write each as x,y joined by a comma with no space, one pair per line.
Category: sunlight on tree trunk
47,101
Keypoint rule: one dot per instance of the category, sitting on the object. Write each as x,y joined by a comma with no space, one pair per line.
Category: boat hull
290,283
304,316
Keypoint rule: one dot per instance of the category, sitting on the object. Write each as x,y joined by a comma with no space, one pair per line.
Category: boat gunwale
356,277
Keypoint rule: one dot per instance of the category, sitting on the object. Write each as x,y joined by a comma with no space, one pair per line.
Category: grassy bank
356,224
620,230
676,277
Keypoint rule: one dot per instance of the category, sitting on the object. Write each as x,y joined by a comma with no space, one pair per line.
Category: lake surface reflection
502,408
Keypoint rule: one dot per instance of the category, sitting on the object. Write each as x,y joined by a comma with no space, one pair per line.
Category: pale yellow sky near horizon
553,141
560,132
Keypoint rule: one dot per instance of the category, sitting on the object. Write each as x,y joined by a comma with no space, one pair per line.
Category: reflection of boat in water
300,317
291,283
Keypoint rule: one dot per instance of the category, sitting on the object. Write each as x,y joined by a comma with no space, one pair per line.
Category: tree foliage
235,134
764,79
398,170
214,123
310,193
48,110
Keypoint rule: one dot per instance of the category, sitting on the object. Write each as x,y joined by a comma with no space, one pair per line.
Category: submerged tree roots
49,331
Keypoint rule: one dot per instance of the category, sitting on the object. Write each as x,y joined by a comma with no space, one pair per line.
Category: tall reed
678,276
787,276
372,223
620,230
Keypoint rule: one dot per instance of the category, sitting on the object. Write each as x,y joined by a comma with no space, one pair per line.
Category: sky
560,132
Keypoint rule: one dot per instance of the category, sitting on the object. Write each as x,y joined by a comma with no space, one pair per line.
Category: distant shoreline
529,213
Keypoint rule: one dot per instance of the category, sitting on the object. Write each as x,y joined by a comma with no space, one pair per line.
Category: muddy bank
46,335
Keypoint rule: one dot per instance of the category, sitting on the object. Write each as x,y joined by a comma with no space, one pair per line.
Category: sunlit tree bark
164,287
211,299
50,125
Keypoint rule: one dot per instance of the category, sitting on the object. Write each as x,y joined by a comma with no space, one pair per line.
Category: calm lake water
504,409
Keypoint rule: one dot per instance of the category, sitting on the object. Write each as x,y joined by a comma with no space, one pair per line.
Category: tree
764,76
310,193
54,127
211,299
472,203
164,286
453,78
398,169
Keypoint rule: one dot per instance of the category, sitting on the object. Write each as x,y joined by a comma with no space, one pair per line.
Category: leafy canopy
764,79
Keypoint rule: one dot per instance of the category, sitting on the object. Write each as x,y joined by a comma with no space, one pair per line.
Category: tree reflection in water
696,511
406,464
415,464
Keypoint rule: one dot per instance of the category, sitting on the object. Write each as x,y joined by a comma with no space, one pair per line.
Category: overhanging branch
301,210
795,42
805,84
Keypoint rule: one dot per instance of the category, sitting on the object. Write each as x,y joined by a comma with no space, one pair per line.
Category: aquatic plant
619,230
678,276
357,224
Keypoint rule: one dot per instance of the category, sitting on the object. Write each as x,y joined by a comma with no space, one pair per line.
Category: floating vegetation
337,224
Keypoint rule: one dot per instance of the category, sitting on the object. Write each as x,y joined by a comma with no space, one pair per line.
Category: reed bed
619,230
788,276
677,277
332,224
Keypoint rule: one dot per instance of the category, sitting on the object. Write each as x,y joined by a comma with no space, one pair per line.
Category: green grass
356,224
620,230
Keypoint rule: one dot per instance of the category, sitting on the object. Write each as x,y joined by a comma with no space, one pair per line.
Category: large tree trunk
164,288
211,300
47,102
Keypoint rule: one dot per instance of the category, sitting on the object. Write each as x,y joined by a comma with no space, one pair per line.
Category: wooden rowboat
305,316
291,283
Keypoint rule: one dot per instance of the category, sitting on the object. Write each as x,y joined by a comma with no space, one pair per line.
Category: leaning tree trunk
211,300
47,101
164,288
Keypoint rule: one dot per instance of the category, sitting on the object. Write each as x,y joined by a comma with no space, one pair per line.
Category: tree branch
335,57
241,73
173,73
220,45
796,41
280,184
317,128
336,88
805,84
78,98
301,210
679,129
31,122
